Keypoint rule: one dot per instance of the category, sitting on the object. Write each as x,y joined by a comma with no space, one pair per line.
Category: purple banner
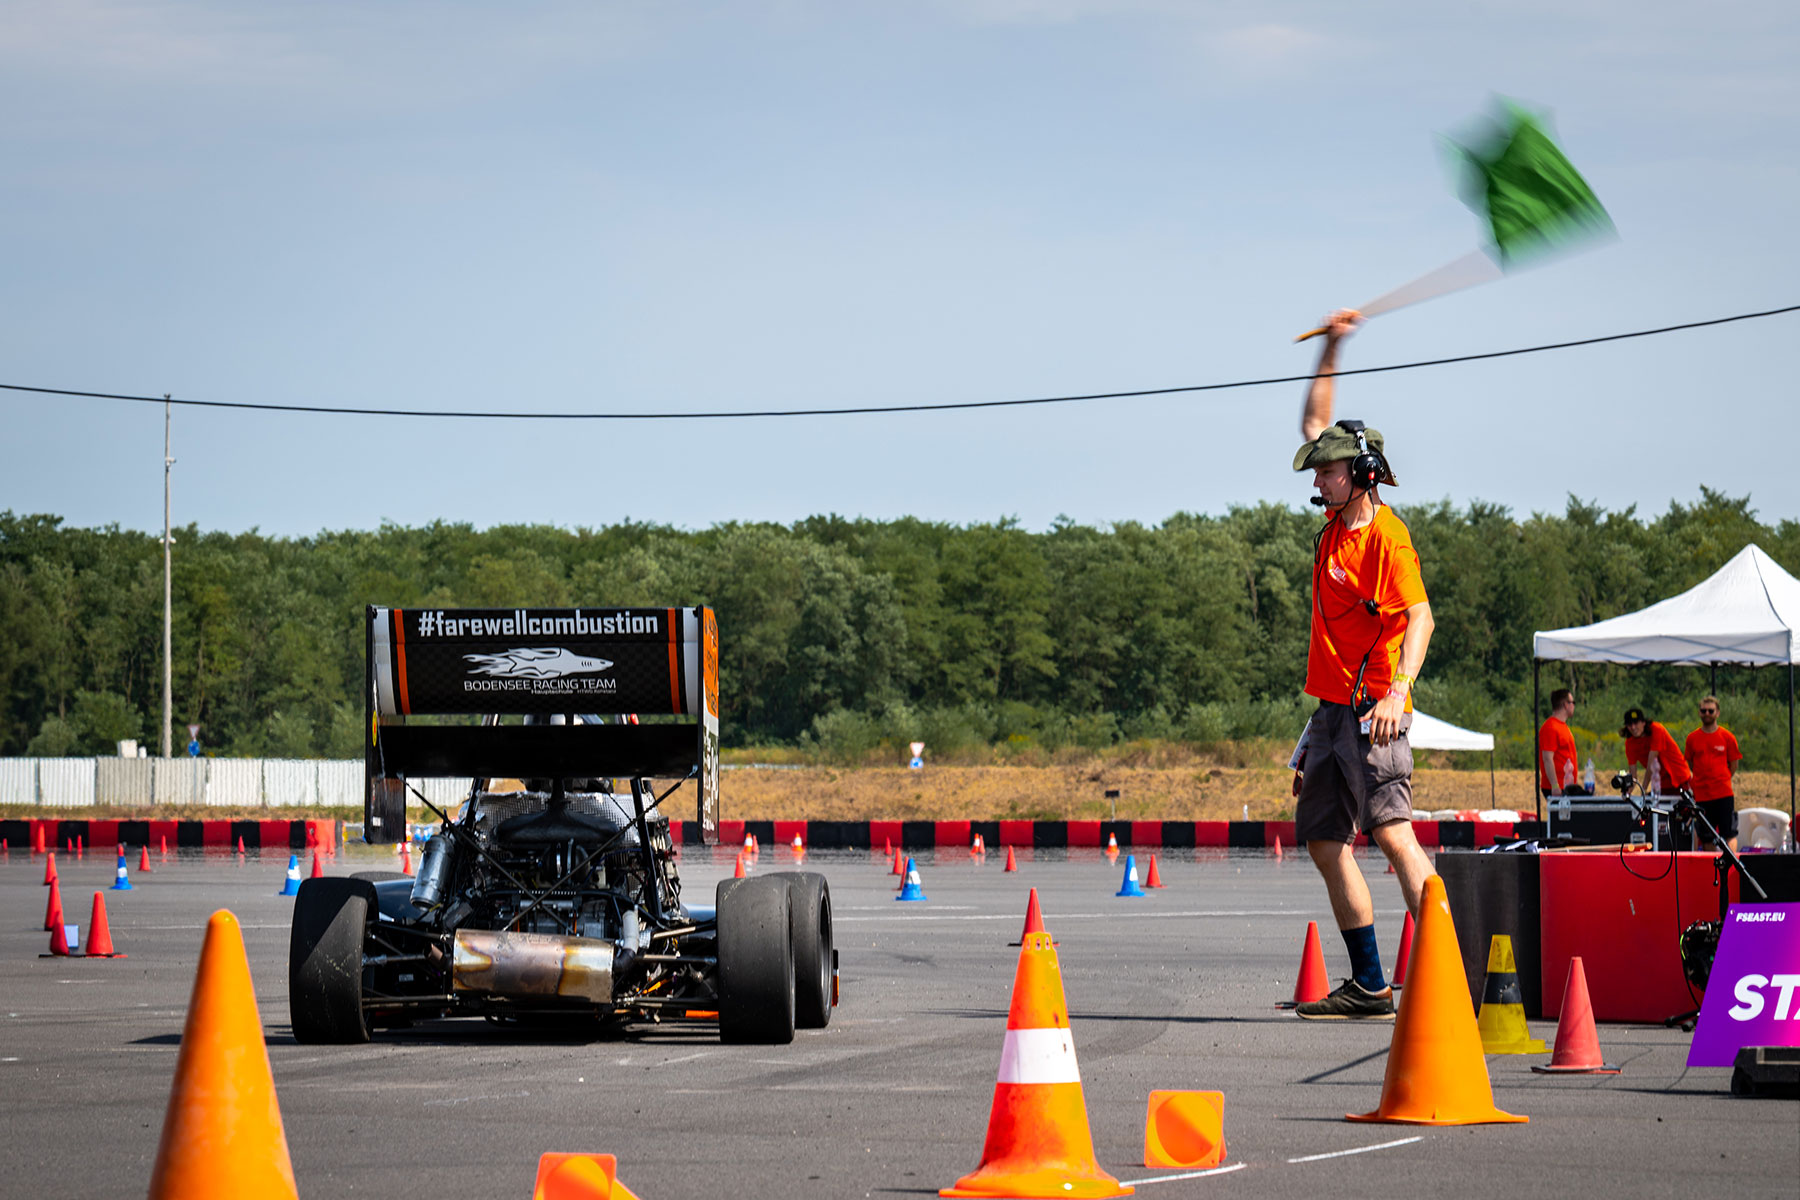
1753,993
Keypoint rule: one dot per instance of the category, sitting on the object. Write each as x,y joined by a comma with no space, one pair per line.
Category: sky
667,207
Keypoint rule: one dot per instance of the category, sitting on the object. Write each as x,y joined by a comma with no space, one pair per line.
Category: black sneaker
1351,1002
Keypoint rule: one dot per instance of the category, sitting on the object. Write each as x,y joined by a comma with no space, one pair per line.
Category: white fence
213,782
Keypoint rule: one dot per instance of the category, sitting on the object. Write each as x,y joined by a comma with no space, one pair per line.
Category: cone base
112,954
1602,1069
1025,1185
1528,1046
1491,1117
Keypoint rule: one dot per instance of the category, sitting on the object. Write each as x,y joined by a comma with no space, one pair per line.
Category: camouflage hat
1334,444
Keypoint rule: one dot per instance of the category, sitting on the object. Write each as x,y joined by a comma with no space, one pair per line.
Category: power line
887,408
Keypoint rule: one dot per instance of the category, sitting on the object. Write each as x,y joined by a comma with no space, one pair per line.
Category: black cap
1632,714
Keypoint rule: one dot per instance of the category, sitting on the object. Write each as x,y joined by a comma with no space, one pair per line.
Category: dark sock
1365,959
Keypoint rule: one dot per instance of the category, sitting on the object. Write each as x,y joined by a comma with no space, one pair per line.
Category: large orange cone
53,914
1406,941
99,942
1436,1074
222,1133
1153,878
1038,1140
1502,1018
1312,983
50,869
1185,1130
1012,863
579,1177
1577,1041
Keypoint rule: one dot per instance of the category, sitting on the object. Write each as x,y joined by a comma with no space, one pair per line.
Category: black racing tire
380,876
325,960
756,961
809,898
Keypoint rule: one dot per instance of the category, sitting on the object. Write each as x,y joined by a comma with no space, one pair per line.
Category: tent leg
1493,788
1537,791
1791,748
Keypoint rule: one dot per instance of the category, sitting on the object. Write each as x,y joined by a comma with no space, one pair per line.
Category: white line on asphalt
669,1062
1189,1175
1359,1150
1136,914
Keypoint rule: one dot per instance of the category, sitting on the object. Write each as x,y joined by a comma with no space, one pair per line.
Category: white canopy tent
1428,733
1744,615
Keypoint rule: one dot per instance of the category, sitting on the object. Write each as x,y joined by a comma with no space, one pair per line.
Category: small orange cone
738,872
1312,983
53,914
222,1133
318,870
405,858
1038,1139
99,942
59,942
165,847
1390,869
978,846
37,838
80,847
1034,920
240,843
1406,941
1012,864
887,846
1152,878
1278,847
579,1177
899,864
1577,1041
50,869
1185,1130
144,861
1436,1074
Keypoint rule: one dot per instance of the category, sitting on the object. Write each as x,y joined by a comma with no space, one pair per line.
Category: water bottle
1656,774
1568,775
1587,777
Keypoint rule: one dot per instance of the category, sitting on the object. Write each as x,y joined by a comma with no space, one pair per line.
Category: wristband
1401,681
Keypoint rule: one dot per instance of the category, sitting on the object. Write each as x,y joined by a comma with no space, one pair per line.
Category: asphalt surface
1173,991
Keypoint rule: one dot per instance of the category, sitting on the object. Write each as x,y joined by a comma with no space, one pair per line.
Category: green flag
1534,199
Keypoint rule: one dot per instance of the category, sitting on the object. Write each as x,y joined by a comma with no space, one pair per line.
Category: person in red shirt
1371,622
1643,738
1713,754
1556,746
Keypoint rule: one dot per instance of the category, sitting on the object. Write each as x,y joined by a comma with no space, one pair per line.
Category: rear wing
538,661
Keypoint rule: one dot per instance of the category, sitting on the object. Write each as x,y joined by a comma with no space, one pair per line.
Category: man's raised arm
1315,415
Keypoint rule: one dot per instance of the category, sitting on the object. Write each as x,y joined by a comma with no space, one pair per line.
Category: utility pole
168,722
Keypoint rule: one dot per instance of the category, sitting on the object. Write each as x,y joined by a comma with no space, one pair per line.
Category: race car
553,894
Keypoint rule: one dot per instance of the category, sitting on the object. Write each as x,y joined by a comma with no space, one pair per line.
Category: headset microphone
1318,500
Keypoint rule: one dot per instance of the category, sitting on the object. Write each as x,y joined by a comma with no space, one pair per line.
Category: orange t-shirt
1555,739
1711,756
1674,767
1350,566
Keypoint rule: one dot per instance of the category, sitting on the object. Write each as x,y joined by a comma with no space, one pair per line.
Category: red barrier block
1146,833
1212,833
1084,833
731,833
103,835
163,829
1489,832
1426,832
1283,830
951,833
785,831
215,833
273,835
1017,833
881,833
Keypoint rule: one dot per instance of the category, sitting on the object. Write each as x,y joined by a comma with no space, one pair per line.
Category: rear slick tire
325,960
810,920
756,961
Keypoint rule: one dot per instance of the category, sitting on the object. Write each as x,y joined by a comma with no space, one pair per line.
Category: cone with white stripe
1038,1140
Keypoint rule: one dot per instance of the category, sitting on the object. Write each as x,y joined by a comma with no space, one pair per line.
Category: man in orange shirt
1644,738
1713,754
1371,622
1556,746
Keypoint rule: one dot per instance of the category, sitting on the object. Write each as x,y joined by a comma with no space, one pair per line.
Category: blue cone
292,887
912,889
1130,886
123,882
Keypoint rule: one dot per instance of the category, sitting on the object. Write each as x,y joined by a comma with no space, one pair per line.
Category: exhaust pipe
532,965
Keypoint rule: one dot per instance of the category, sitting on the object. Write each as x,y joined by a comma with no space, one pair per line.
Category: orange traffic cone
899,864
53,914
1311,984
579,1177
99,933
318,870
37,838
50,869
240,843
165,847
1436,1074
1038,1140
1406,941
144,861
1185,1130
1577,1042
222,1133
405,858
1012,864
1034,920
1278,847
59,942
738,872
1152,878
978,846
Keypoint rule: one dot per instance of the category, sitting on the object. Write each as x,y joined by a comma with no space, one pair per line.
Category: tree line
845,638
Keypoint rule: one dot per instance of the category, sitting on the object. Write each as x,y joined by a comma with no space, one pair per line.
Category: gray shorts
1349,785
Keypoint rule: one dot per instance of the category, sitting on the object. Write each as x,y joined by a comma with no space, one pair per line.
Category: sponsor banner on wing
534,661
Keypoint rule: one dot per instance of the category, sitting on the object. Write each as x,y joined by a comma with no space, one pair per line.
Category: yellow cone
222,1136
1502,1021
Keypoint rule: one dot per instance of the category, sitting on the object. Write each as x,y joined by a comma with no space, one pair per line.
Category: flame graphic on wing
536,663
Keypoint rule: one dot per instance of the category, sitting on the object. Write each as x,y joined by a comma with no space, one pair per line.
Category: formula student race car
554,893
